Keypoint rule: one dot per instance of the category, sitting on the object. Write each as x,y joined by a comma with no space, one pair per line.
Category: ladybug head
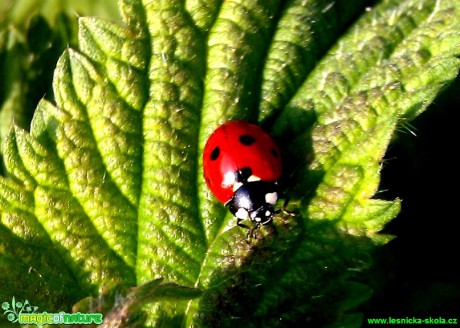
262,215
255,201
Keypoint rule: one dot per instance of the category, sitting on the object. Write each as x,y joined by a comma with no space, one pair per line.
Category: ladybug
242,165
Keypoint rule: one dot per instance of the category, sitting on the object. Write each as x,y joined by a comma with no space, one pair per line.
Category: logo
24,313
15,309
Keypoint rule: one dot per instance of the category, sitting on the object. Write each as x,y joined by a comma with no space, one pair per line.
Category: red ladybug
242,165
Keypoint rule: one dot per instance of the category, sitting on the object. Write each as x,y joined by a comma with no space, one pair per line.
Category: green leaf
124,308
27,60
18,11
108,181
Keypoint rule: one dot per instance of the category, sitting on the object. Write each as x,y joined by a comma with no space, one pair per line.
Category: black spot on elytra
274,153
246,139
215,153
244,174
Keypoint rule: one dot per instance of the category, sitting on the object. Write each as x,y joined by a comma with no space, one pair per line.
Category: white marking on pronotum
242,214
253,178
271,197
236,186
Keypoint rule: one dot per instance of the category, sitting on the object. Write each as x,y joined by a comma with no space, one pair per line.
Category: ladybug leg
242,225
251,233
283,207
